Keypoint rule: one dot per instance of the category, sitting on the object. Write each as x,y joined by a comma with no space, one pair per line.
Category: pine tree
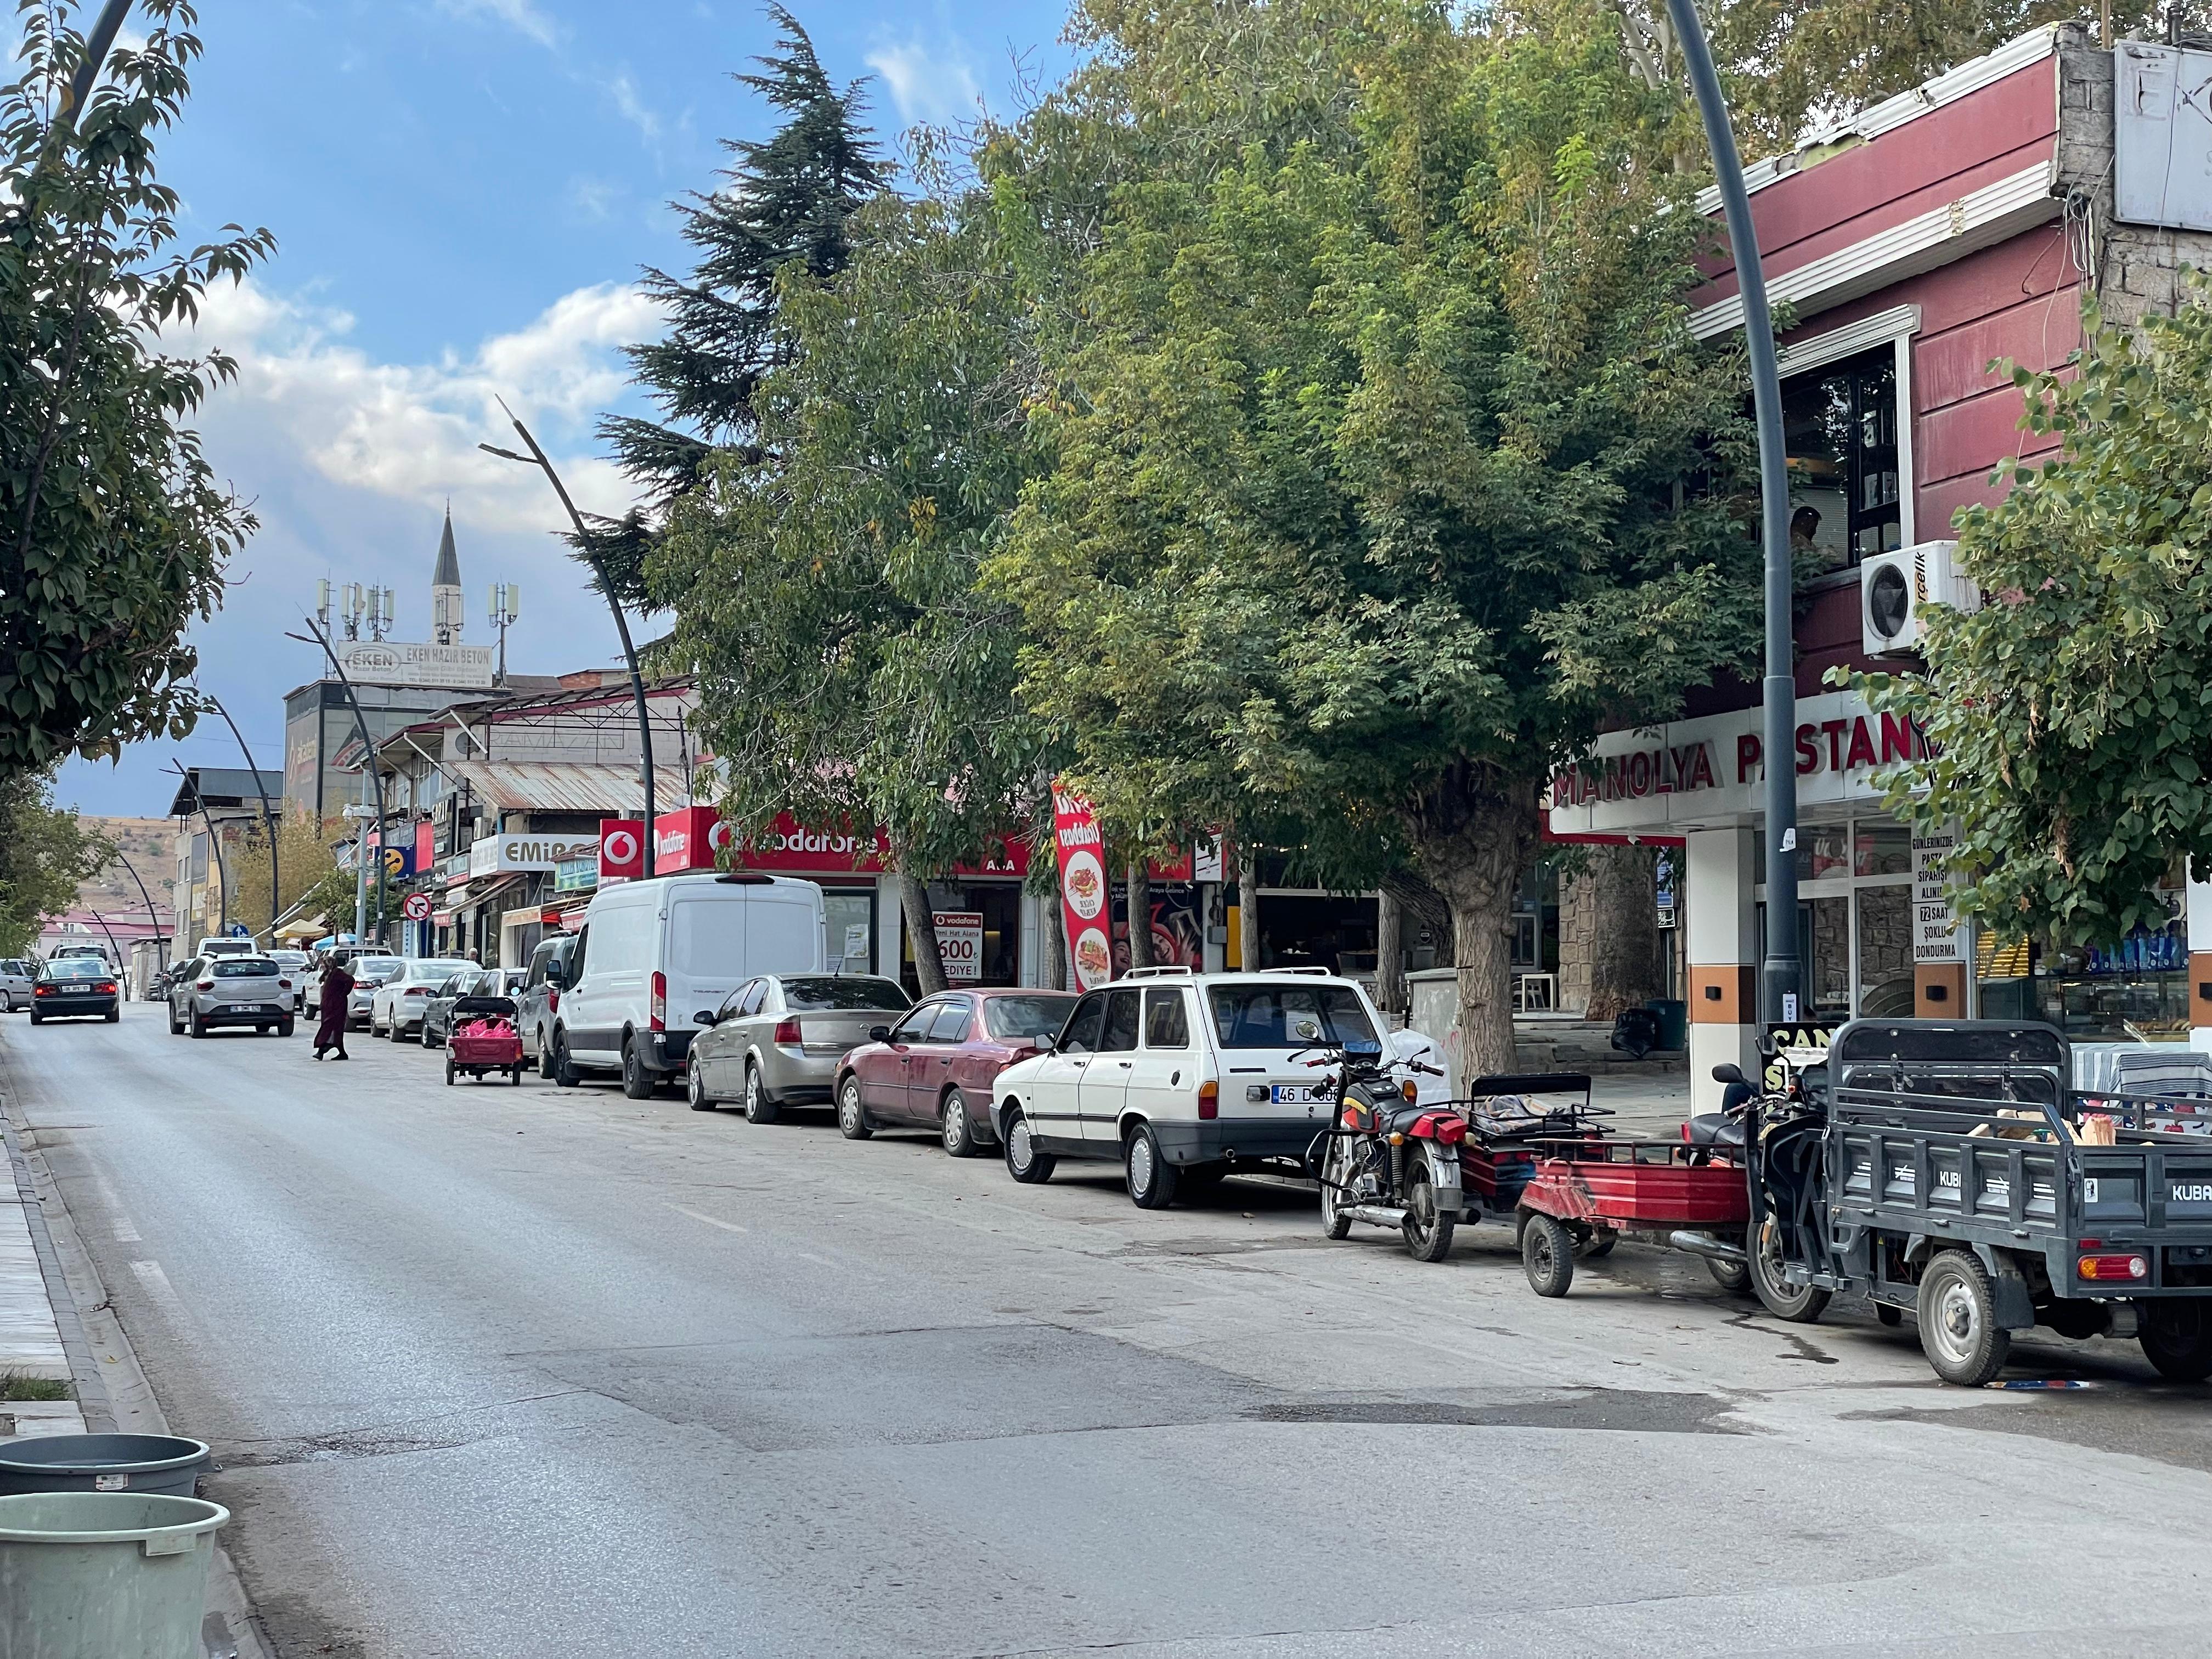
786,199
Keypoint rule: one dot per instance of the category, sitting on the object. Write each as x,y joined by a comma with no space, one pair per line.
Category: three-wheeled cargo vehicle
1951,1169
484,1039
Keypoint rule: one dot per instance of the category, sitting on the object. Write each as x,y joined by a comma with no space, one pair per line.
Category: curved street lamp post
215,846
314,636
268,817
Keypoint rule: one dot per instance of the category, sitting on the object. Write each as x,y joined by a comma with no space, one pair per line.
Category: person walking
337,986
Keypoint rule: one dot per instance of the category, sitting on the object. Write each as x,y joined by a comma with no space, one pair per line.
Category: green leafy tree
45,852
113,533
786,202
2071,717
1371,442
849,670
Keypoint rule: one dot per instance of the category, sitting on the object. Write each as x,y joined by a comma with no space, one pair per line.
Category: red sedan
934,1069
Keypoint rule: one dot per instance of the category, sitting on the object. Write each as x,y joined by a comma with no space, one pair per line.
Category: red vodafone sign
688,839
622,850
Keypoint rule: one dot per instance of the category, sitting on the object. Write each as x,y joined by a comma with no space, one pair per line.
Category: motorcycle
1387,1159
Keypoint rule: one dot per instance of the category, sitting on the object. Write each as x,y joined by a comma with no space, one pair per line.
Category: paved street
500,1374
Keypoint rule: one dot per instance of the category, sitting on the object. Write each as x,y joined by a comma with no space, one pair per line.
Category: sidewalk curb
113,1395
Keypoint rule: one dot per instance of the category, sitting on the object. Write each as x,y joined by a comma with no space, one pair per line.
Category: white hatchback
1182,1077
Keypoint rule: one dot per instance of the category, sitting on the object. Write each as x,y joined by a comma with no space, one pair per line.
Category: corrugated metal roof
551,786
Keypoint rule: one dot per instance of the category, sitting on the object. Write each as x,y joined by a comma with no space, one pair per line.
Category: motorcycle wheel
1335,1165
1800,1305
1428,1231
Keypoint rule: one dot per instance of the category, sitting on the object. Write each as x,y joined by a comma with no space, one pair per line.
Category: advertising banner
1084,890
960,945
688,839
622,850
1935,936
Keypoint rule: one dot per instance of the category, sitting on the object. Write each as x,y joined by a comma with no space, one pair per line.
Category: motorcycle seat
1715,1129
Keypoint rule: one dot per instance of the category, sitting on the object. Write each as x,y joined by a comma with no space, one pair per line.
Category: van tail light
787,1032
2106,1267
656,1012
1209,1099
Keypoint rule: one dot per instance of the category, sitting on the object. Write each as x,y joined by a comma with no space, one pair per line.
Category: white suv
1183,1076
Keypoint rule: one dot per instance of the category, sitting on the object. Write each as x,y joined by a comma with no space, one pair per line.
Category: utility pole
1780,1002
316,637
536,457
268,814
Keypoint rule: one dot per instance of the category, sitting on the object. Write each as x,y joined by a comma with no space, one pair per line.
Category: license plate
247,1008
1296,1094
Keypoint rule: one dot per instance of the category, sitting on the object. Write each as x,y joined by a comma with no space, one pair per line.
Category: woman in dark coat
337,985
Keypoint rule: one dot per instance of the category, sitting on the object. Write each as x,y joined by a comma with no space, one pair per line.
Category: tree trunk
1472,836
1389,953
1247,905
921,929
1052,934
1426,908
1624,941
1140,914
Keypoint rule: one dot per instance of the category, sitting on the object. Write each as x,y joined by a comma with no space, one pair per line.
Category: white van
653,956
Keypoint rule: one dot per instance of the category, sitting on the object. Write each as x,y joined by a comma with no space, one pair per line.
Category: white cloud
633,107
409,431
517,15
927,84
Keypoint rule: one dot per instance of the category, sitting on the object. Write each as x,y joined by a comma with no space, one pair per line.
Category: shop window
1880,848
2136,991
1823,850
1839,428
848,919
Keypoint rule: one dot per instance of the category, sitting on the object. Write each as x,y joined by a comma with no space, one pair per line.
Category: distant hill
149,846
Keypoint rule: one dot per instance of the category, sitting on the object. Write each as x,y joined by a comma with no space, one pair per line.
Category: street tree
46,851
2069,719
1383,459
785,201
850,673
113,530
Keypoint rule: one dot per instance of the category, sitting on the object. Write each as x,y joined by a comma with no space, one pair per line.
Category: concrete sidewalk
30,1331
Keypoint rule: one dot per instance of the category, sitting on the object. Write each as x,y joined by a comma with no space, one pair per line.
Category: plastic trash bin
167,1465
1673,1021
104,1575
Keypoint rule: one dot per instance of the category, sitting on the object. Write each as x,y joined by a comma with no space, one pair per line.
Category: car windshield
809,995
77,968
1011,1018
1268,1016
374,970
244,967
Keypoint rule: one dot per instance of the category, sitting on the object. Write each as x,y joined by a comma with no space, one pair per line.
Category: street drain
1616,1409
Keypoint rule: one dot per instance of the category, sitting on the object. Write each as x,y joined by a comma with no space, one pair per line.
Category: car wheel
1959,1328
564,1068
636,1081
284,1028
1547,1255
759,1108
955,1128
544,1056
176,1025
852,1116
1427,1230
37,1017
1152,1180
199,1025
449,1071
694,1088
2176,1338
114,1014
1024,1161
1800,1305
7,1002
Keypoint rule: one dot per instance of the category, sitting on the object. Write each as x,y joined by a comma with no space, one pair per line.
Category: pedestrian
337,986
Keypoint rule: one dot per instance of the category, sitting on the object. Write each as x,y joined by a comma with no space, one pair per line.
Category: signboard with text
522,850
1934,928
960,945
391,662
1084,890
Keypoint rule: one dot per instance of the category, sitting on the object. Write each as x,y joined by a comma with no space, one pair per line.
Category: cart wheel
449,1073
1598,1246
1732,1277
1890,1316
1548,1253
514,1076
1336,1167
1800,1305
1959,1328
1428,1233
2176,1338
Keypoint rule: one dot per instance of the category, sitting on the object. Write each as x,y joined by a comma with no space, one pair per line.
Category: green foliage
113,534
2071,716
849,670
784,203
330,895
45,852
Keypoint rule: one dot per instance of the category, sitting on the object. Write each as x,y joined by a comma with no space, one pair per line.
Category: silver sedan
776,1040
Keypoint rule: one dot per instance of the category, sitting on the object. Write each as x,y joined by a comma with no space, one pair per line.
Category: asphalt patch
1618,1410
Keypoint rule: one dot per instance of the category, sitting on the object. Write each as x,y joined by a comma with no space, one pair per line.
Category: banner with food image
1084,890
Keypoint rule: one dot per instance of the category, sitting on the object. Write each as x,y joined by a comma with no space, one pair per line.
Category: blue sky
463,191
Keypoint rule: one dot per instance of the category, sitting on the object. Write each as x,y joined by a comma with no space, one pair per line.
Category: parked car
651,954
231,990
230,947
16,974
76,988
438,1012
368,973
295,964
539,999
937,1067
778,1039
395,1009
1181,1077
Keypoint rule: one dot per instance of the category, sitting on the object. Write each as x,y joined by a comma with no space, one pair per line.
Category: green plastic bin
104,1575
167,1465
1673,1021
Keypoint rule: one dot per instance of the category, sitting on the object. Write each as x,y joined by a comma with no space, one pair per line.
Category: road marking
125,1233
158,1287
727,1226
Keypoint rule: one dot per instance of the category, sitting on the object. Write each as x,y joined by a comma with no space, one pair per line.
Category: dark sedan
438,1012
76,988
934,1069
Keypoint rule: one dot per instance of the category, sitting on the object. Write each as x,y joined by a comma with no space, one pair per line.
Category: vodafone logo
718,836
621,847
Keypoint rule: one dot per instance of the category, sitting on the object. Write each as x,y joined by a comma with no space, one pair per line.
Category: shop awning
553,786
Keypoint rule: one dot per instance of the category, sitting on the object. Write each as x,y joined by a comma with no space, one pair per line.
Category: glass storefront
2136,991
1854,919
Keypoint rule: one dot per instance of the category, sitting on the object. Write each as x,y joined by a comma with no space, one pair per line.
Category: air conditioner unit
1893,588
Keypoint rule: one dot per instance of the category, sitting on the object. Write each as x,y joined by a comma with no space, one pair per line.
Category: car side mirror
879,1033
1046,1041
707,1017
1730,1075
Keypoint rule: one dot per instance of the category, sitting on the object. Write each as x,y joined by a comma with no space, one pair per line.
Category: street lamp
1779,1002
268,817
536,457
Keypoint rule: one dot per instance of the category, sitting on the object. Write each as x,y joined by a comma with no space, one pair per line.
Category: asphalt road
504,1374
